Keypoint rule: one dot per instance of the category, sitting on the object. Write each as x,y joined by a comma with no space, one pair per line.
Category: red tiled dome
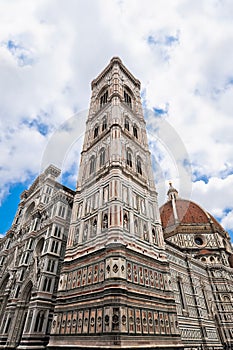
188,213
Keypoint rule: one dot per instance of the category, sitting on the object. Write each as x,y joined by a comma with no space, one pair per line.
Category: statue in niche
145,233
85,232
94,227
11,281
143,206
76,236
126,222
105,221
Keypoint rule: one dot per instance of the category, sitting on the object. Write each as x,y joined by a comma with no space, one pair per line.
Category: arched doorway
4,295
22,314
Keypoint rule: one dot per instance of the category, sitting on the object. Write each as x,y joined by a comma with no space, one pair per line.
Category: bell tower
115,290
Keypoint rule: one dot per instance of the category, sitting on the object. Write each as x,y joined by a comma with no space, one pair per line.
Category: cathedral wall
195,301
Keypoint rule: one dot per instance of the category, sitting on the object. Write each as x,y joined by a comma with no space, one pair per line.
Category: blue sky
182,53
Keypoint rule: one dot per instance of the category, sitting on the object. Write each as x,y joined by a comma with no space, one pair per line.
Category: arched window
127,99
57,231
92,165
104,98
102,157
49,285
104,124
139,166
29,210
39,321
45,284
54,247
7,325
96,131
127,124
29,321
129,158
135,131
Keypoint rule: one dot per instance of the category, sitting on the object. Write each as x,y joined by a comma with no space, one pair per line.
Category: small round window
198,241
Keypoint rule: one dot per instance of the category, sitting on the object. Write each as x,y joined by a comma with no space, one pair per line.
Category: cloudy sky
182,53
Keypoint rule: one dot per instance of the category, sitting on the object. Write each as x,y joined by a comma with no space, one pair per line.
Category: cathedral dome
192,229
181,212
187,213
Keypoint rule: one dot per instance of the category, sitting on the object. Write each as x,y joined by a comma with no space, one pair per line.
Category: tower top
172,192
118,62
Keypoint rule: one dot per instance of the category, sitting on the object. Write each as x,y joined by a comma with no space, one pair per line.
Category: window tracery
104,99
139,165
135,131
104,123
127,99
92,165
96,131
102,157
129,158
126,125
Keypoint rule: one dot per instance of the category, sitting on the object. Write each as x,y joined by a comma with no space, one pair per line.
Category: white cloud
51,50
227,220
216,194
216,197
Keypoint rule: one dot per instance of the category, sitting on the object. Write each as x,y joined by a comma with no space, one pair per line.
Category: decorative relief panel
115,319
191,333
115,267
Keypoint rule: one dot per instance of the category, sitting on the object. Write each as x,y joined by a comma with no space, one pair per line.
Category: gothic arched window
129,158
102,157
127,99
104,124
96,131
39,321
104,98
126,123
92,165
135,131
47,284
139,166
